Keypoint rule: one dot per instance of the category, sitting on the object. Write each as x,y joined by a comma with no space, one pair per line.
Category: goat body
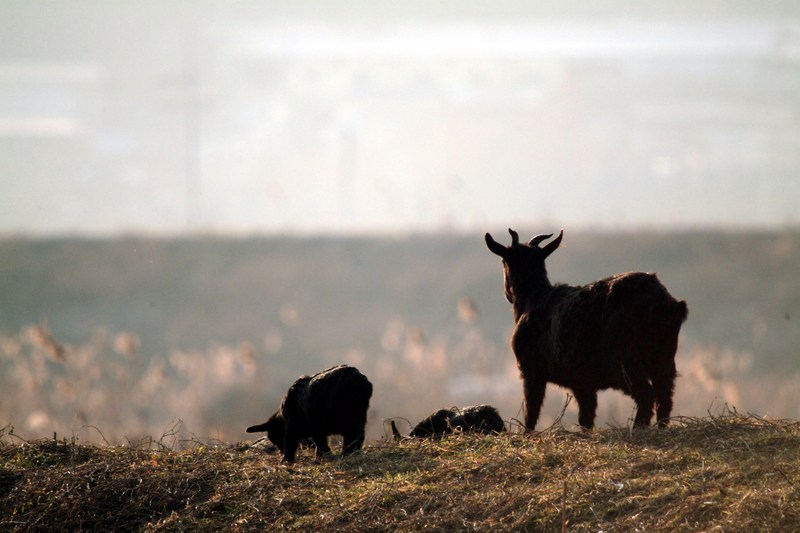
332,402
619,332
475,419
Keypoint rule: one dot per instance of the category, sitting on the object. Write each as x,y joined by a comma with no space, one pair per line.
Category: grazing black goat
619,332
332,402
475,419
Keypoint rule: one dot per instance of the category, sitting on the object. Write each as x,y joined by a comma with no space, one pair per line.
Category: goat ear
552,245
495,247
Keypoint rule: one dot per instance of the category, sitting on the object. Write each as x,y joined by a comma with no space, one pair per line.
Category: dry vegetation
50,386
729,472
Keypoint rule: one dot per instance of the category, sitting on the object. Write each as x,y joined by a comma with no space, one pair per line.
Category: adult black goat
619,332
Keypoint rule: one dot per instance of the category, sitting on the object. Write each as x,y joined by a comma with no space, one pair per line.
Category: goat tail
666,320
681,311
671,314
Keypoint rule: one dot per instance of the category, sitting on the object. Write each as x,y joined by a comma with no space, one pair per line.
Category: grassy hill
730,472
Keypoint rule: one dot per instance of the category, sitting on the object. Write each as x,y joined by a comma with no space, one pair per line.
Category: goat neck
523,291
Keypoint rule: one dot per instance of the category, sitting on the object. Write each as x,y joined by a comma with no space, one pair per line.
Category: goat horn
552,245
539,238
514,237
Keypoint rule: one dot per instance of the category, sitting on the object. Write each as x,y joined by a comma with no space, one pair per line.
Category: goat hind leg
664,386
321,442
645,401
637,385
352,442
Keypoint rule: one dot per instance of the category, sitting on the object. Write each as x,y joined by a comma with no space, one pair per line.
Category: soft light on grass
730,472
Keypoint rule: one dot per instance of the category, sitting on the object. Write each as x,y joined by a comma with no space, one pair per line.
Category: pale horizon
257,119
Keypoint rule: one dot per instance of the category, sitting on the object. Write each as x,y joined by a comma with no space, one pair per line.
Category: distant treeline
313,299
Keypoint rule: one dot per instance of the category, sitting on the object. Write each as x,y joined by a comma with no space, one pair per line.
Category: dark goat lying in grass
332,402
619,332
476,419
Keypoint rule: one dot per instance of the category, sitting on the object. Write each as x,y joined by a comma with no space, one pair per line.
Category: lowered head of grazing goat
619,332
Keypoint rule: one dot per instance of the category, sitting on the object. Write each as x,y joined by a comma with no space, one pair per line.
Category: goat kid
332,402
474,419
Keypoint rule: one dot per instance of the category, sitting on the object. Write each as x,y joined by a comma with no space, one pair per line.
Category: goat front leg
534,389
587,407
290,444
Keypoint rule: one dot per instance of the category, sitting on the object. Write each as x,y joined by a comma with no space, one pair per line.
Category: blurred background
203,200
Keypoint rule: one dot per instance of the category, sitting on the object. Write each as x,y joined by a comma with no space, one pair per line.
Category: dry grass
727,473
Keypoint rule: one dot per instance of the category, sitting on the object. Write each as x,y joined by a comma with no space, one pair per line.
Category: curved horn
495,247
514,237
552,245
539,238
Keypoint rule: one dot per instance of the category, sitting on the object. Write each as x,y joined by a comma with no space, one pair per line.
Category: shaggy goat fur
475,419
619,332
332,402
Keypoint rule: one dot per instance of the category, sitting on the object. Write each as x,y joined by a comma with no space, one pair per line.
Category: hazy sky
369,117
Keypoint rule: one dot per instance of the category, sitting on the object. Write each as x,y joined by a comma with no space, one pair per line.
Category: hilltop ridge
734,472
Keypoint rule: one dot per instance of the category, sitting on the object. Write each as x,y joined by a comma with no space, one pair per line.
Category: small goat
476,419
332,402
619,332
